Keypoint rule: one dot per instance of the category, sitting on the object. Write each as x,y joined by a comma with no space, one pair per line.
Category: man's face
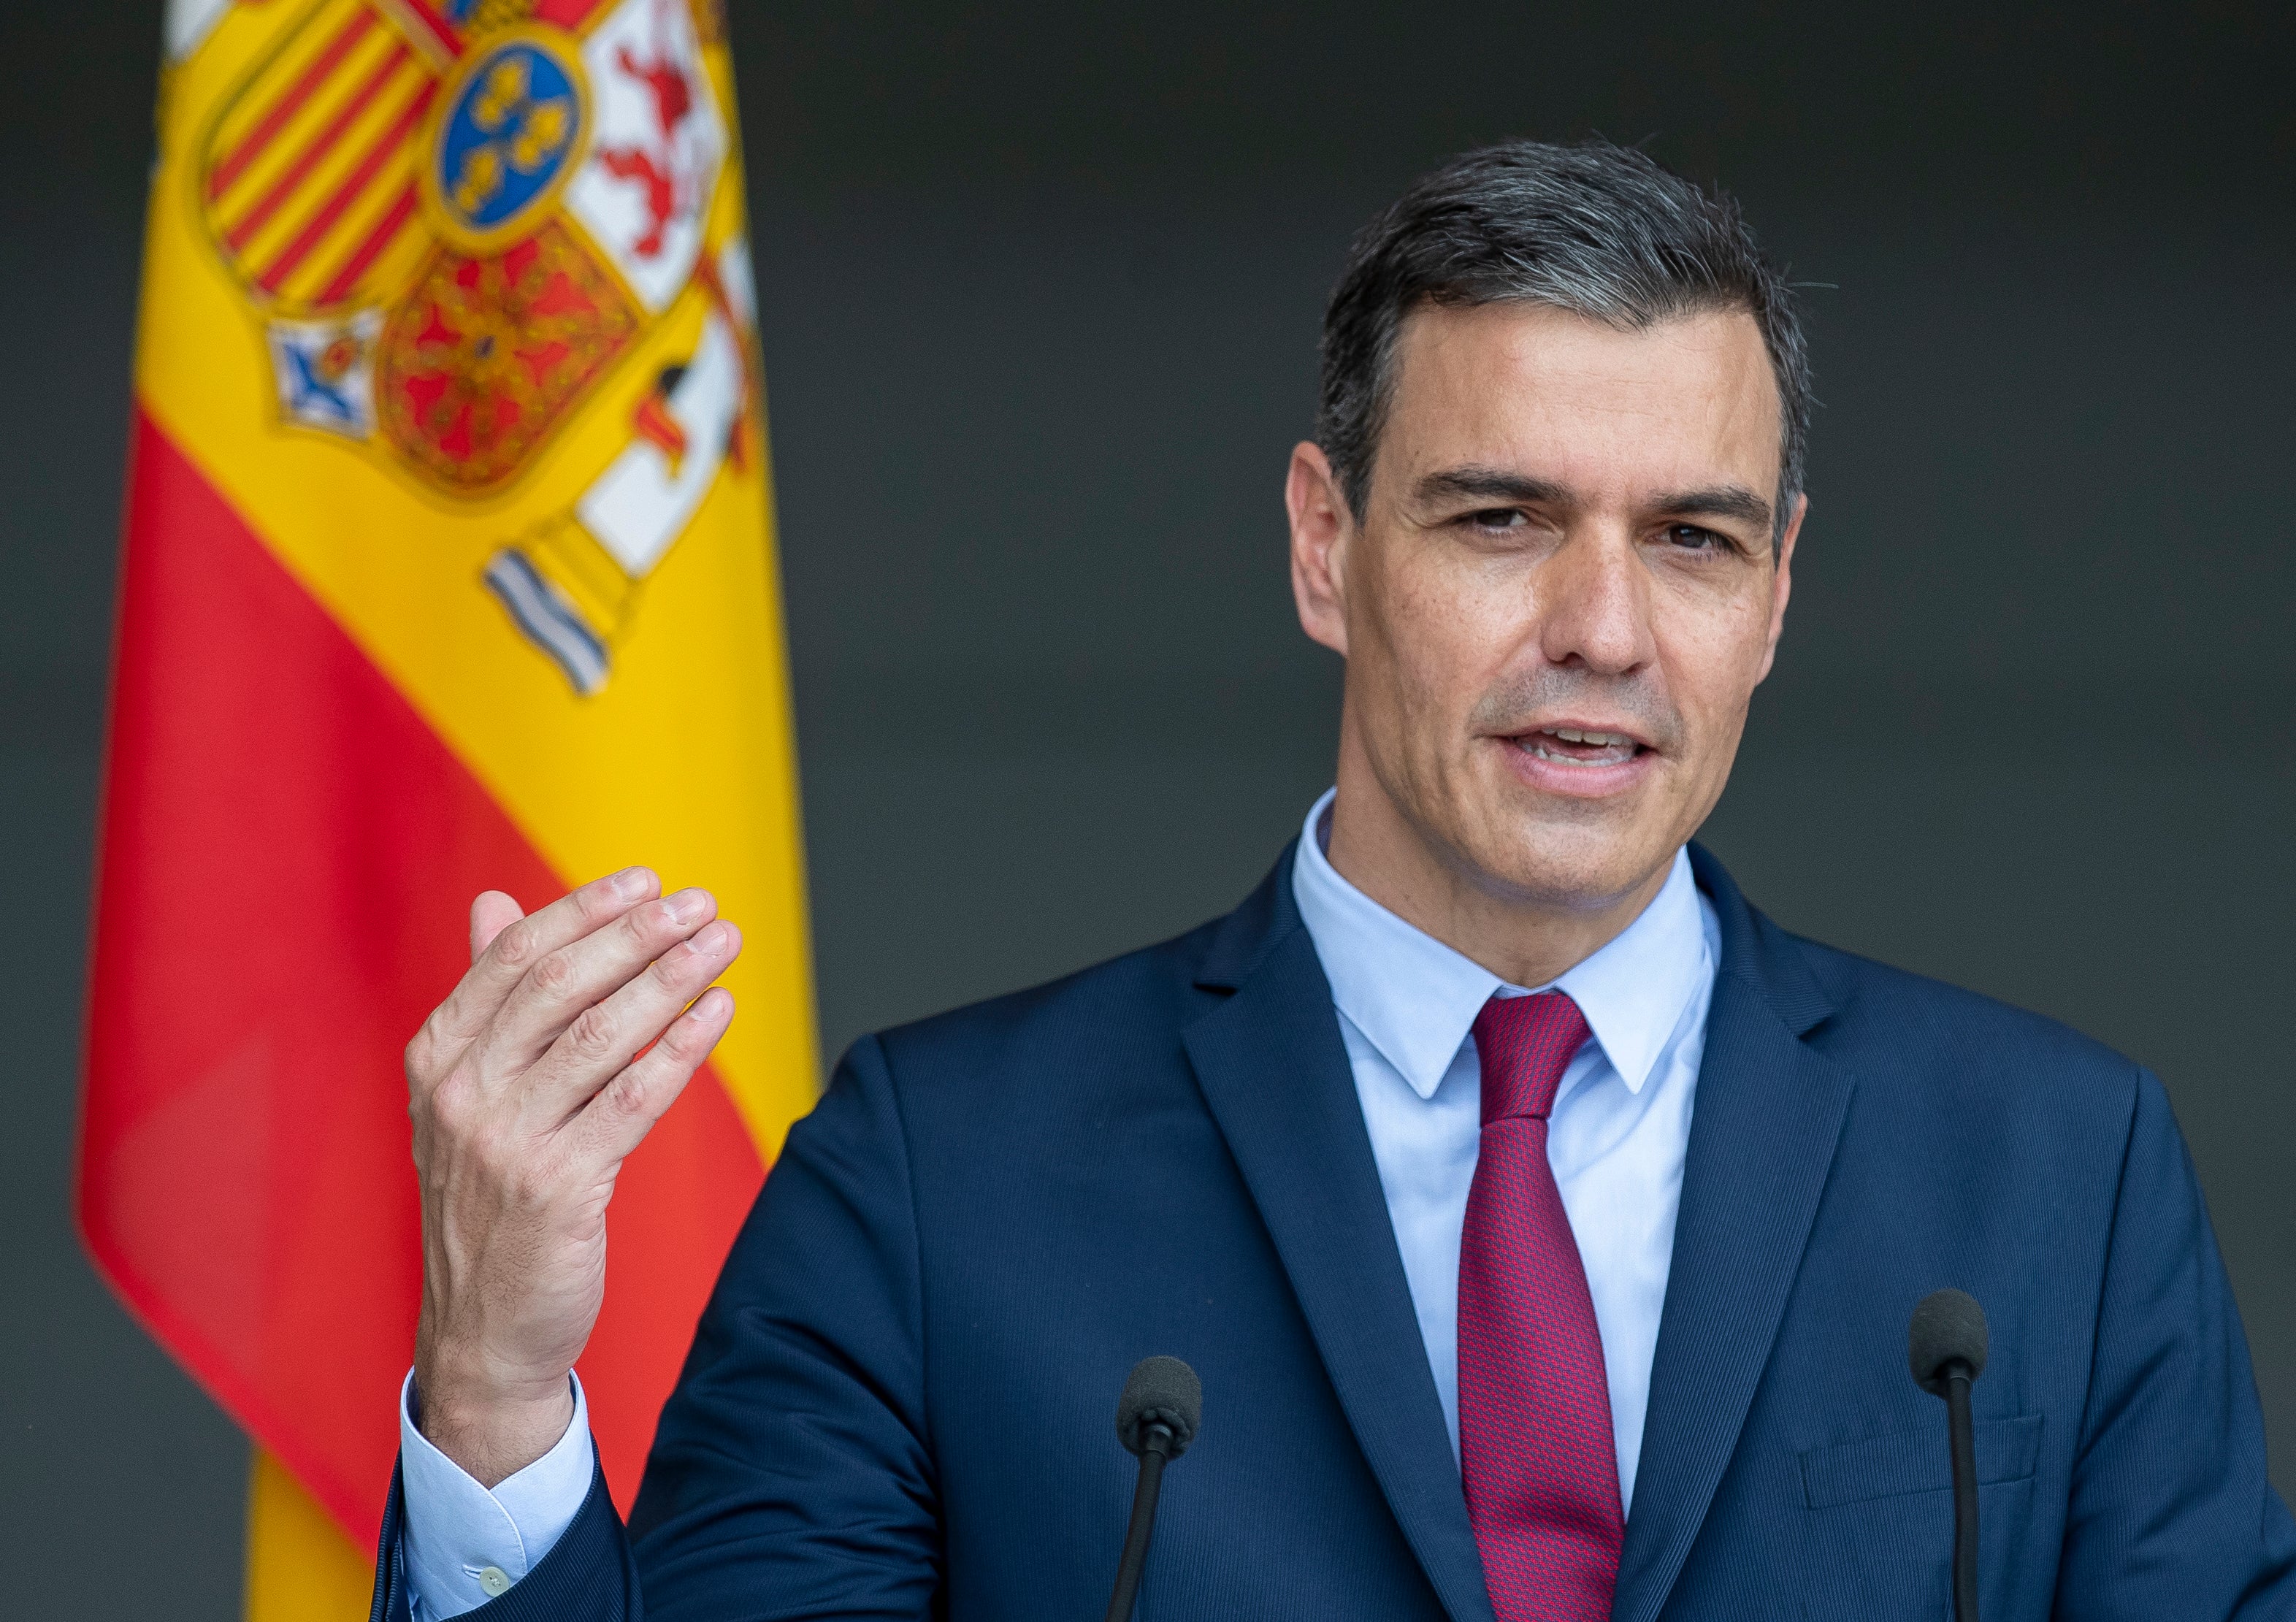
1562,594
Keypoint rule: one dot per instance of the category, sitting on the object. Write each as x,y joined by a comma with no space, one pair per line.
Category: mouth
1580,748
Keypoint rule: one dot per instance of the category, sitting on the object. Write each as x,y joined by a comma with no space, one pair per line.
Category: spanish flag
448,567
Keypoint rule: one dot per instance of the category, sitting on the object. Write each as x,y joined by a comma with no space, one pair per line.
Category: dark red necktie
1536,1450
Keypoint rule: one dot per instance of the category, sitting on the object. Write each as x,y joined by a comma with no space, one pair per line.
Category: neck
1524,940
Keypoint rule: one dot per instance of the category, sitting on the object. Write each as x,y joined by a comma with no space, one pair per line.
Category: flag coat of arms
448,567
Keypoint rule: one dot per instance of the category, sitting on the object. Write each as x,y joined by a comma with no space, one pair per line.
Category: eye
1695,537
1497,517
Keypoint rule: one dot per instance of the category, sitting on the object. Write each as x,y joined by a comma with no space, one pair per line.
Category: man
1543,1220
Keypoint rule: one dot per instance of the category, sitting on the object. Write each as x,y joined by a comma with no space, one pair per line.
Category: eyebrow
1720,500
1489,484
1496,485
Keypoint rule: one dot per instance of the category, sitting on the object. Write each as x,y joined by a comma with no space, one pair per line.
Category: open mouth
1573,746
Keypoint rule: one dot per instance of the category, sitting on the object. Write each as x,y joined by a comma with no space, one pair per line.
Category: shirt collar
1414,999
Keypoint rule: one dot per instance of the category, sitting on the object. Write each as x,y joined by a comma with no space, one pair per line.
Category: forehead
1533,390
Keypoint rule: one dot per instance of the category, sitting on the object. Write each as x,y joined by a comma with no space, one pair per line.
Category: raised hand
527,1089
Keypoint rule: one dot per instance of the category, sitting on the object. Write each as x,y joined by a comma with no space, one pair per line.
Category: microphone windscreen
1948,1327
1161,1391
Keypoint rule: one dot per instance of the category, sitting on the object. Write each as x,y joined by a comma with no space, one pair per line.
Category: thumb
491,913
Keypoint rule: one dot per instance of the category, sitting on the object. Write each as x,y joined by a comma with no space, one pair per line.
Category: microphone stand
1945,1351
1963,1434
1155,1449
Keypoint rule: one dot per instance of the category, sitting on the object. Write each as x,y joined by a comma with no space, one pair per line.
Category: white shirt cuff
465,1544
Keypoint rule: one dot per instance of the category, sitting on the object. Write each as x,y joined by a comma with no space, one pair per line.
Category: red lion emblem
673,100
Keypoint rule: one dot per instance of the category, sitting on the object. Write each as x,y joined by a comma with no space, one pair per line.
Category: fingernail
687,905
712,941
630,883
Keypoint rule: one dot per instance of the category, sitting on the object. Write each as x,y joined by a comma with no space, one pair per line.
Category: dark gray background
1041,287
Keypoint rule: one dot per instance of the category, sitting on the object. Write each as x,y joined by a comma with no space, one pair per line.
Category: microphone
1156,1419
1945,1343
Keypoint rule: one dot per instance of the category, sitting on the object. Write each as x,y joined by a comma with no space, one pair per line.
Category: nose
1593,604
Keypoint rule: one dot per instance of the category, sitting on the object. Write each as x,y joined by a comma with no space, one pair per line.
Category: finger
523,942
605,1037
617,1120
566,981
491,913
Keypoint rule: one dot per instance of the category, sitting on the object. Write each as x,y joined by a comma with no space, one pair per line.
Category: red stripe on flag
341,283
286,856
357,181
268,126
320,145
568,15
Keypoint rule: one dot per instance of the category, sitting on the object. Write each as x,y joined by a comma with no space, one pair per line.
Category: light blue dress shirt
1619,1128
1617,1138
464,1543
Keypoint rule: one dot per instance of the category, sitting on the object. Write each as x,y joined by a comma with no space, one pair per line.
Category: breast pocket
1917,1461
1881,1519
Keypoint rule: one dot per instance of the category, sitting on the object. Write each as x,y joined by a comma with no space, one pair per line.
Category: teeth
1618,754
1616,748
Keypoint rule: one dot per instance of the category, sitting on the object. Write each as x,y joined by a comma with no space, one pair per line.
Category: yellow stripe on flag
301,1568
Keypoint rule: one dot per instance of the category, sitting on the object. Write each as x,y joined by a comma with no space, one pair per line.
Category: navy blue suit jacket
900,1401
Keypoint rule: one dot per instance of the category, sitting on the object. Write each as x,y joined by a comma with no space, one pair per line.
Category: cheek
1447,636
1712,651
1394,609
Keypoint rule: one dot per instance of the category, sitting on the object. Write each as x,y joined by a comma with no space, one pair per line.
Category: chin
1573,855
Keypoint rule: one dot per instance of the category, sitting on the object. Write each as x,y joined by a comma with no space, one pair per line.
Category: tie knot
1523,1045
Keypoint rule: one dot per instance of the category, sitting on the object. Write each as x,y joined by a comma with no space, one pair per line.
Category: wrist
491,1429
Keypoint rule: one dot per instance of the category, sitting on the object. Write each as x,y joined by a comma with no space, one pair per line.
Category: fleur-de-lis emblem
524,133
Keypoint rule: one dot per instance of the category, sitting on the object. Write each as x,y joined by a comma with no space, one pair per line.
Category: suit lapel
1768,1114
1274,1072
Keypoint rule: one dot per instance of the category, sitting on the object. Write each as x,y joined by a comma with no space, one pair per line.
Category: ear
1322,527
1782,585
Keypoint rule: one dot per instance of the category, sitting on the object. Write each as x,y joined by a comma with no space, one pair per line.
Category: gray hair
1597,229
